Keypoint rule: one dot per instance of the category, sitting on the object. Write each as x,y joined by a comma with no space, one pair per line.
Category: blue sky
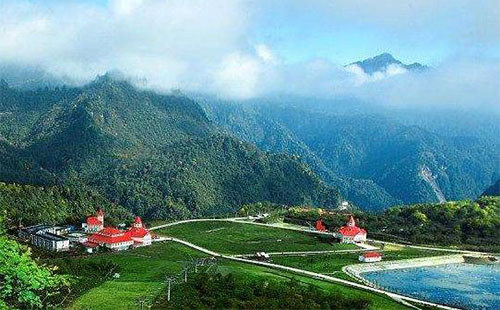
345,31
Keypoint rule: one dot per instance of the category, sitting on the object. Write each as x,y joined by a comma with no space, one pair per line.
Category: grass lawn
142,272
242,238
250,272
332,263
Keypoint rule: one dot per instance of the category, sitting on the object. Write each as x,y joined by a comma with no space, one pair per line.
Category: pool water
468,286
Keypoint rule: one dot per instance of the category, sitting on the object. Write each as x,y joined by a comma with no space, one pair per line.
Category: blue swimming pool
463,285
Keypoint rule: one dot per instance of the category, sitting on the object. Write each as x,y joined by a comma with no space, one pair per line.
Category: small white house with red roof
370,257
94,223
139,234
350,233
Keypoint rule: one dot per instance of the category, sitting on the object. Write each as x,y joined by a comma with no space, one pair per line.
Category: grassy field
332,264
256,272
241,238
142,272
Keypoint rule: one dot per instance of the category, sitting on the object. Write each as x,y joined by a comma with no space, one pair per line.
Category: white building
370,257
350,233
45,236
94,223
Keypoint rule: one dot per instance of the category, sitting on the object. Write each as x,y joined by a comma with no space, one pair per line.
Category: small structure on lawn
262,256
370,257
350,233
94,223
320,226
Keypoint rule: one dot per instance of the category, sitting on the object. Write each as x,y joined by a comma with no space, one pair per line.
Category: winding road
240,258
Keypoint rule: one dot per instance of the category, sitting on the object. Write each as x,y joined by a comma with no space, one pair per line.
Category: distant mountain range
179,156
383,61
375,160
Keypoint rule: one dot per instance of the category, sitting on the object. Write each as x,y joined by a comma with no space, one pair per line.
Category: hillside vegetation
157,155
473,224
29,205
374,160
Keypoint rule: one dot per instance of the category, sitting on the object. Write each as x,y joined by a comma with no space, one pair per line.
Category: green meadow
143,270
241,238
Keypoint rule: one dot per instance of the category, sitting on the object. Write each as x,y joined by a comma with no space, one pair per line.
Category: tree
23,283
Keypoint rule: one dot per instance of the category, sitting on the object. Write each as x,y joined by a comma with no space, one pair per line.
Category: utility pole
170,281
169,284
141,301
185,275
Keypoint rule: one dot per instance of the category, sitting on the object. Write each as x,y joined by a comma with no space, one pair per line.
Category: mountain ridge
157,155
383,61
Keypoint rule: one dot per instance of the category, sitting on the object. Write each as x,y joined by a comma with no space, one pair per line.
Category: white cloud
125,7
206,46
361,77
238,76
265,53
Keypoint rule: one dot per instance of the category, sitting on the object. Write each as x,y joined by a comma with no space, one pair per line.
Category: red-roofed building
139,234
94,223
112,238
351,233
319,225
370,257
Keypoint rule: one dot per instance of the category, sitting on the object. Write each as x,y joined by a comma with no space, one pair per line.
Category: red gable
110,231
351,231
371,254
110,235
93,221
320,226
138,232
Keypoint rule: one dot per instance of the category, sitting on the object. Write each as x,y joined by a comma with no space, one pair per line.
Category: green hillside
493,190
157,155
465,223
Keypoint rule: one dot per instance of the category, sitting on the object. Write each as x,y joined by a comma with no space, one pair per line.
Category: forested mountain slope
493,190
156,155
374,160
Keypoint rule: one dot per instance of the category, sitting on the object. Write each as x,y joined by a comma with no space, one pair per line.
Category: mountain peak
382,61
385,57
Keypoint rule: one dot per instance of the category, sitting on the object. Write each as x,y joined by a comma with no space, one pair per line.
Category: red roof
94,221
90,245
110,231
372,254
351,231
138,232
100,212
138,220
110,235
320,226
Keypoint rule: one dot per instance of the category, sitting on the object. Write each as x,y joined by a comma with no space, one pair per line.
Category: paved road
397,297
314,275
299,253
422,247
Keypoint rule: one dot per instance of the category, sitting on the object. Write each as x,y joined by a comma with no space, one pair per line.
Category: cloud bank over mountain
212,46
